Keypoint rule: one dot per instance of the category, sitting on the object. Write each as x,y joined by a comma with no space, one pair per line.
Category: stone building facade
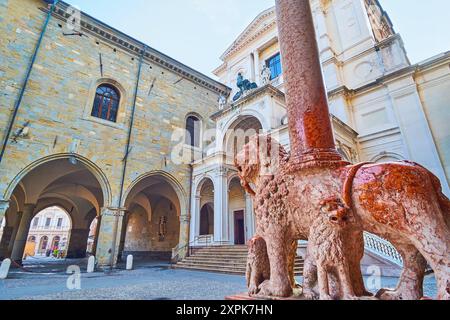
103,117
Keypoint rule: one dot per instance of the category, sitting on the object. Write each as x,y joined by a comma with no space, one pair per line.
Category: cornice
266,90
108,34
220,69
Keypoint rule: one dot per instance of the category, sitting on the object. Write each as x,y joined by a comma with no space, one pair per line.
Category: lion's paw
389,295
309,294
253,290
326,297
269,289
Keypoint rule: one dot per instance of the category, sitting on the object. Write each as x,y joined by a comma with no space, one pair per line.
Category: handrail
176,251
382,248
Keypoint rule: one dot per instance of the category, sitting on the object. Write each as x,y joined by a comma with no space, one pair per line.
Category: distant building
69,141
50,230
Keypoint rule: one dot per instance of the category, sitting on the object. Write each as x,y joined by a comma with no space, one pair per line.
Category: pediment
262,22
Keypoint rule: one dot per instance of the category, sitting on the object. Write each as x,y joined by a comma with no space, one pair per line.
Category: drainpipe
125,159
27,77
191,189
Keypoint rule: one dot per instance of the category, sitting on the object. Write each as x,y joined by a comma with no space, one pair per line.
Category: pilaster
249,217
22,233
221,221
109,236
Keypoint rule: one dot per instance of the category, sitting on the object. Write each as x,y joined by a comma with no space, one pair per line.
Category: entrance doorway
239,228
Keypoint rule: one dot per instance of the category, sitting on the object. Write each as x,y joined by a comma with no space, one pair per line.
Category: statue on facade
266,75
162,228
222,102
244,85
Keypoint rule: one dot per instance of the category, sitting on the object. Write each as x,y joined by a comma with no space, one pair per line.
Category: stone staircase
223,259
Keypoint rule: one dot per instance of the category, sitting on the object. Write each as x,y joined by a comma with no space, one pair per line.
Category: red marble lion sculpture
401,202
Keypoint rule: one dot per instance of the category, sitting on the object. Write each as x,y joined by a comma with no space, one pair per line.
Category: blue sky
196,32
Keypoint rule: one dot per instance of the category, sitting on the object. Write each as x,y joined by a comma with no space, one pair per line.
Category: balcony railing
382,248
50,228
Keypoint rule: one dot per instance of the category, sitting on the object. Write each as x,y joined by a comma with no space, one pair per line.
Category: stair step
224,259
231,267
220,270
219,252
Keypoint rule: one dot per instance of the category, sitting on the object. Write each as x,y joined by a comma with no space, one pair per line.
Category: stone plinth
297,296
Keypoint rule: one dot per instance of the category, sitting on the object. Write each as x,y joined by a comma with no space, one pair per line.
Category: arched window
106,103
193,131
44,243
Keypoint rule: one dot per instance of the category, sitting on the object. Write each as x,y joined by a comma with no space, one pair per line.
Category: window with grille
193,131
274,64
106,103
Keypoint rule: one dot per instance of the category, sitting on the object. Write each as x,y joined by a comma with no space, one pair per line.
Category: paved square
155,281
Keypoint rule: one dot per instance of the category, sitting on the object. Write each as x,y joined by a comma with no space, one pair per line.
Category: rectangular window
48,221
274,64
60,221
35,222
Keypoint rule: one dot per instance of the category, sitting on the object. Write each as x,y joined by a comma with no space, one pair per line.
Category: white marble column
195,217
418,138
252,67
257,67
249,217
321,30
221,222
15,229
22,233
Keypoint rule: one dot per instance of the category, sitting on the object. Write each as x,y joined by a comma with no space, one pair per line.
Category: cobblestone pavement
150,282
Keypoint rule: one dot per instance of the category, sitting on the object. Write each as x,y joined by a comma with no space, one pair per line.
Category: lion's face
247,164
335,211
260,157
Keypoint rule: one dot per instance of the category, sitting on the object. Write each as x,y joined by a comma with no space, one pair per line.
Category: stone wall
59,98
142,235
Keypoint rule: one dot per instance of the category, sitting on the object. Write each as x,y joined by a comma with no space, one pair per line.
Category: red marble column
311,133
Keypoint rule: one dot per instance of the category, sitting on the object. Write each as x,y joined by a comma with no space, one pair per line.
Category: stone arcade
78,106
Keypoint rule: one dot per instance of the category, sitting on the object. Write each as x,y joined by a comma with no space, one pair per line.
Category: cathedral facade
117,133
383,108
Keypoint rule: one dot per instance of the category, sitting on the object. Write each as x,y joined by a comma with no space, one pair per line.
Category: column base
297,296
16,264
320,158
